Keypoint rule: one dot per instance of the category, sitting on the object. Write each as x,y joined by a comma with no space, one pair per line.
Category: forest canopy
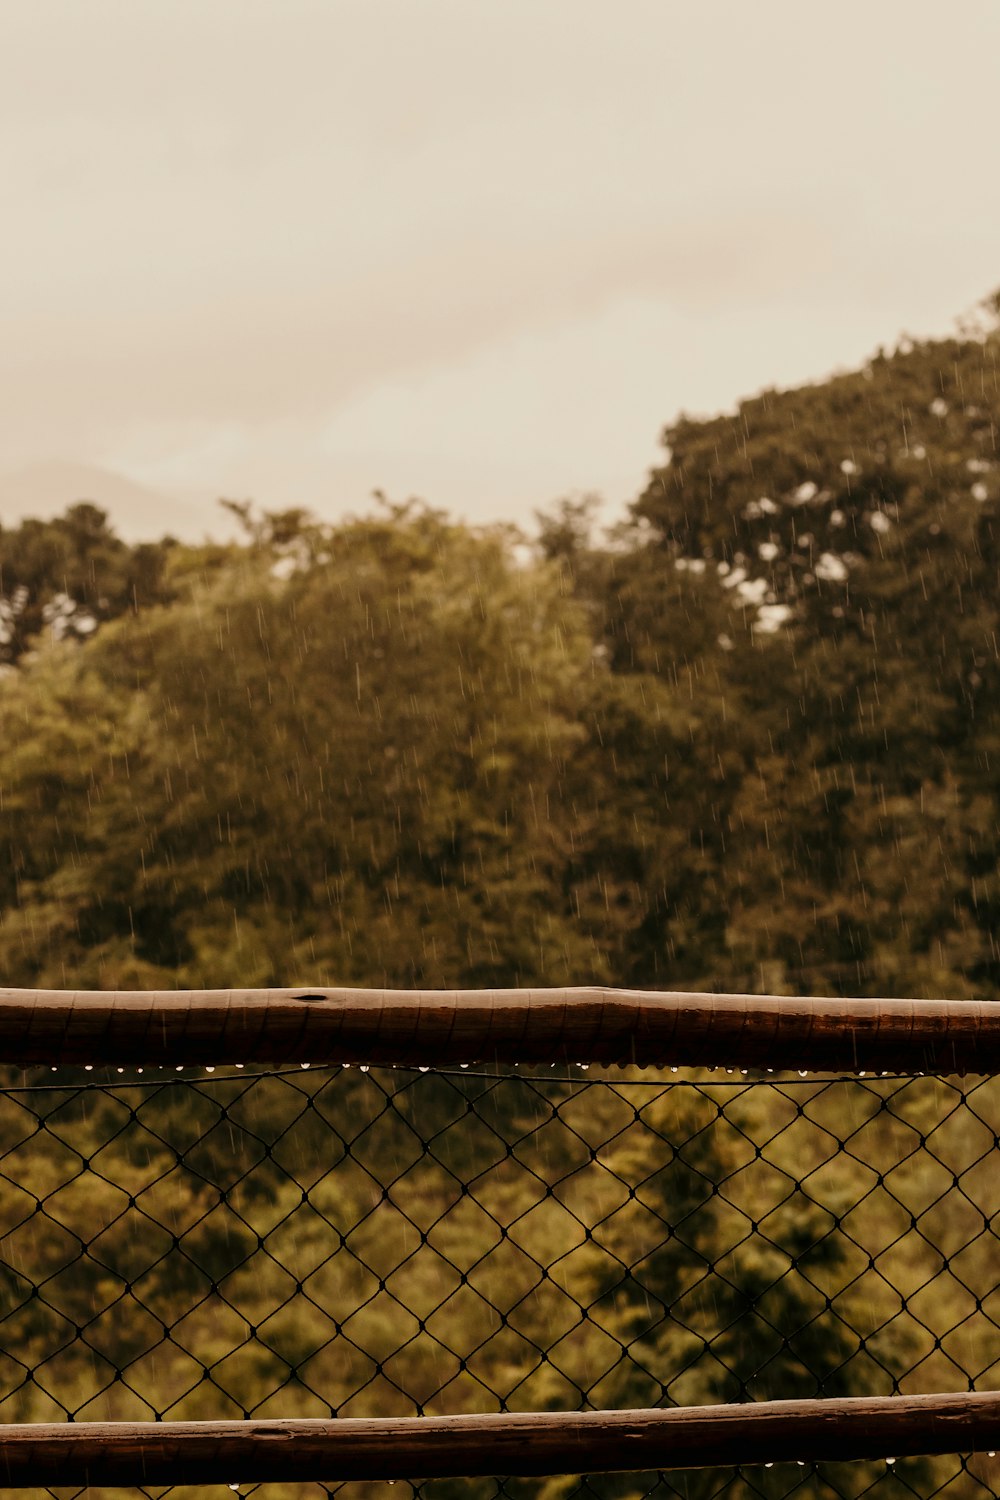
747,741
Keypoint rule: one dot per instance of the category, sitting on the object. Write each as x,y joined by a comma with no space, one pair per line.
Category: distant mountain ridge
137,512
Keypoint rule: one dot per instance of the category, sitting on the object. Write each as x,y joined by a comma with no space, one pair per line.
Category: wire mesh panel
378,1242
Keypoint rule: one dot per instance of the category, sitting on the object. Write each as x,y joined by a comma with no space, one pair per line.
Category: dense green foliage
748,742
69,575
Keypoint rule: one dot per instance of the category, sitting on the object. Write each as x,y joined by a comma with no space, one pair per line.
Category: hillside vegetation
749,742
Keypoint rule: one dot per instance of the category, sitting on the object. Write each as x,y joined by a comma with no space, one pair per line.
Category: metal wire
386,1241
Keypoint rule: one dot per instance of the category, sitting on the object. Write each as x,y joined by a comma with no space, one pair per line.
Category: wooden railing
536,1443
440,1028
509,1027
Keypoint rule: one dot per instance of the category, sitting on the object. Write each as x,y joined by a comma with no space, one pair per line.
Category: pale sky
476,252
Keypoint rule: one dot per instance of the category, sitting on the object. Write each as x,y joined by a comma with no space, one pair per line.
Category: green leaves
353,766
62,579
747,742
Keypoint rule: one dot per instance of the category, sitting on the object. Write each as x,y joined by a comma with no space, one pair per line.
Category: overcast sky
479,251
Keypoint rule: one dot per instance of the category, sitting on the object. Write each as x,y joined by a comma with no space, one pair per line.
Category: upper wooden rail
439,1028
133,1453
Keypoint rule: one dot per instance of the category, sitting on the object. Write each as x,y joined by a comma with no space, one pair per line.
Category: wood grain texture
130,1453
440,1028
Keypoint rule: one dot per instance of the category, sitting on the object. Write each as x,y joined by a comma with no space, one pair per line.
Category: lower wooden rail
544,1443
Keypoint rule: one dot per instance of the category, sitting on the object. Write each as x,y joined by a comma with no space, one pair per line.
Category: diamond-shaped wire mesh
356,1242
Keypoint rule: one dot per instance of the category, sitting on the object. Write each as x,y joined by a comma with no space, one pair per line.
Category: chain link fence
343,1241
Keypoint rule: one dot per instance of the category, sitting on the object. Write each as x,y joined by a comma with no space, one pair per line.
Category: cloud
229,226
